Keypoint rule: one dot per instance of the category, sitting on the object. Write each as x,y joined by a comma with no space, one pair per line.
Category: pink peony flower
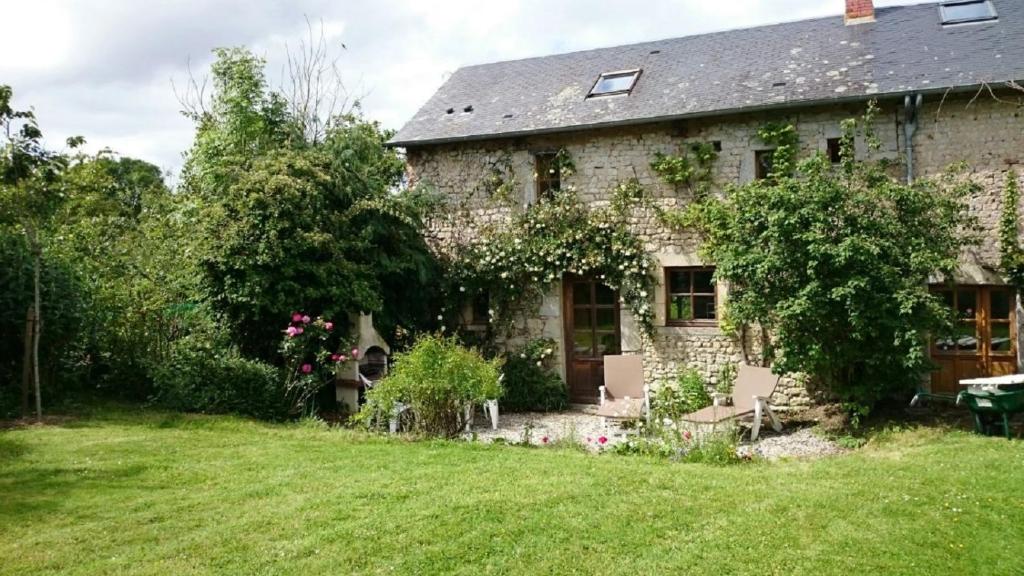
342,358
299,330
687,435
328,326
355,352
305,319
307,368
602,440
291,331
544,440
335,357
296,317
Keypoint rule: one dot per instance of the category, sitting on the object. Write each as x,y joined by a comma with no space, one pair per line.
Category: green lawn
148,493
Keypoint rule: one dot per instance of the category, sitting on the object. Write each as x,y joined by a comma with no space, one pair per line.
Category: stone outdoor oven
371,365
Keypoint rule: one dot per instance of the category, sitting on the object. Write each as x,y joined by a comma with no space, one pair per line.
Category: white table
994,383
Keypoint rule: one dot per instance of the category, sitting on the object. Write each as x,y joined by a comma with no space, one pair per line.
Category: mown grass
125,492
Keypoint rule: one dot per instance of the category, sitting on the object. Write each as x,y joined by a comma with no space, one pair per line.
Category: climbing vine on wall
518,261
501,182
783,137
1010,250
691,168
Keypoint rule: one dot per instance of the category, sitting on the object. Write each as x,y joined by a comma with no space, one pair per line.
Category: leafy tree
291,222
835,263
31,189
132,244
1011,252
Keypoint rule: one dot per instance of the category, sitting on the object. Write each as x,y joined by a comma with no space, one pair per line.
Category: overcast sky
104,69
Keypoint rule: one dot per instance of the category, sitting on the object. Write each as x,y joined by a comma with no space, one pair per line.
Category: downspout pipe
911,109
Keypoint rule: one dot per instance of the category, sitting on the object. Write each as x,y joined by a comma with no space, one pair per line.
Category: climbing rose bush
312,351
558,236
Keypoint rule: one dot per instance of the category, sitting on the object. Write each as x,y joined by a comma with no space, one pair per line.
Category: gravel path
547,428
799,443
587,429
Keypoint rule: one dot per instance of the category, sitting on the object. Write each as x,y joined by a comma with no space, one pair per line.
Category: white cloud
103,68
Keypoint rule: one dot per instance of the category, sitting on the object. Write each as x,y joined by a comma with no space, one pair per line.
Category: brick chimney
859,12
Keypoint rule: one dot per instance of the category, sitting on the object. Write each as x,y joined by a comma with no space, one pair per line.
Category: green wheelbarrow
993,407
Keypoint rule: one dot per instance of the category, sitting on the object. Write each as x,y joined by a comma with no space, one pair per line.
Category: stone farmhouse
944,76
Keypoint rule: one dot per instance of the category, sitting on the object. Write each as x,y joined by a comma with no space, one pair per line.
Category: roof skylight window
964,11
614,83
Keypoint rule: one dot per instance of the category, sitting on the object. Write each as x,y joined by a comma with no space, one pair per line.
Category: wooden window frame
834,150
760,171
475,318
982,320
545,183
669,293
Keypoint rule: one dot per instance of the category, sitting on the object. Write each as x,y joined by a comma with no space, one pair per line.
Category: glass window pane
946,296
1001,304
763,163
945,344
968,11
616,83
680,308
966,337
608,344
679,281
967,303
581,318
1001,342
704,307
583,343
605,295
581,293
606,319
703,282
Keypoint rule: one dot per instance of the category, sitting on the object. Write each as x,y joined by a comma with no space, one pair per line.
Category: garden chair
750,394
396,412
490,409
624,395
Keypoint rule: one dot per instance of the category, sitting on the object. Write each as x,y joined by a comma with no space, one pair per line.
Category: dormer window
610,83
964,11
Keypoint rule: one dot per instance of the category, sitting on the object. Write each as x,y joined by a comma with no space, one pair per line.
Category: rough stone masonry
984,132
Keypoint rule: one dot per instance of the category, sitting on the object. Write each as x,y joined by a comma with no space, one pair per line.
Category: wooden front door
592,331
984,340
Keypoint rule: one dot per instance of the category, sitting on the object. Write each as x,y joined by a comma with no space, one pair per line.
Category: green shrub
672,400
717,448
436,379
199,377
663,441
63,307
530,383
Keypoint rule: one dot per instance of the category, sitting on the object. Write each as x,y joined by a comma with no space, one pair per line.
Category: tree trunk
26,362
37,261
1020,331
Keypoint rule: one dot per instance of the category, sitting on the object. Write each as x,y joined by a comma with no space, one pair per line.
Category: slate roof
798,63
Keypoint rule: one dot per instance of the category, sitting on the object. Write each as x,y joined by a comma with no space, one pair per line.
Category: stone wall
986,134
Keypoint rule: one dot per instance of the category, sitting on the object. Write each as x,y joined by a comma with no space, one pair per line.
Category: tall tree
31,189
295,217
835,263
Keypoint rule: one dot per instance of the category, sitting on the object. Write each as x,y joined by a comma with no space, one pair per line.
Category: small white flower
462,288
539,363
548,351
440,317
523,355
